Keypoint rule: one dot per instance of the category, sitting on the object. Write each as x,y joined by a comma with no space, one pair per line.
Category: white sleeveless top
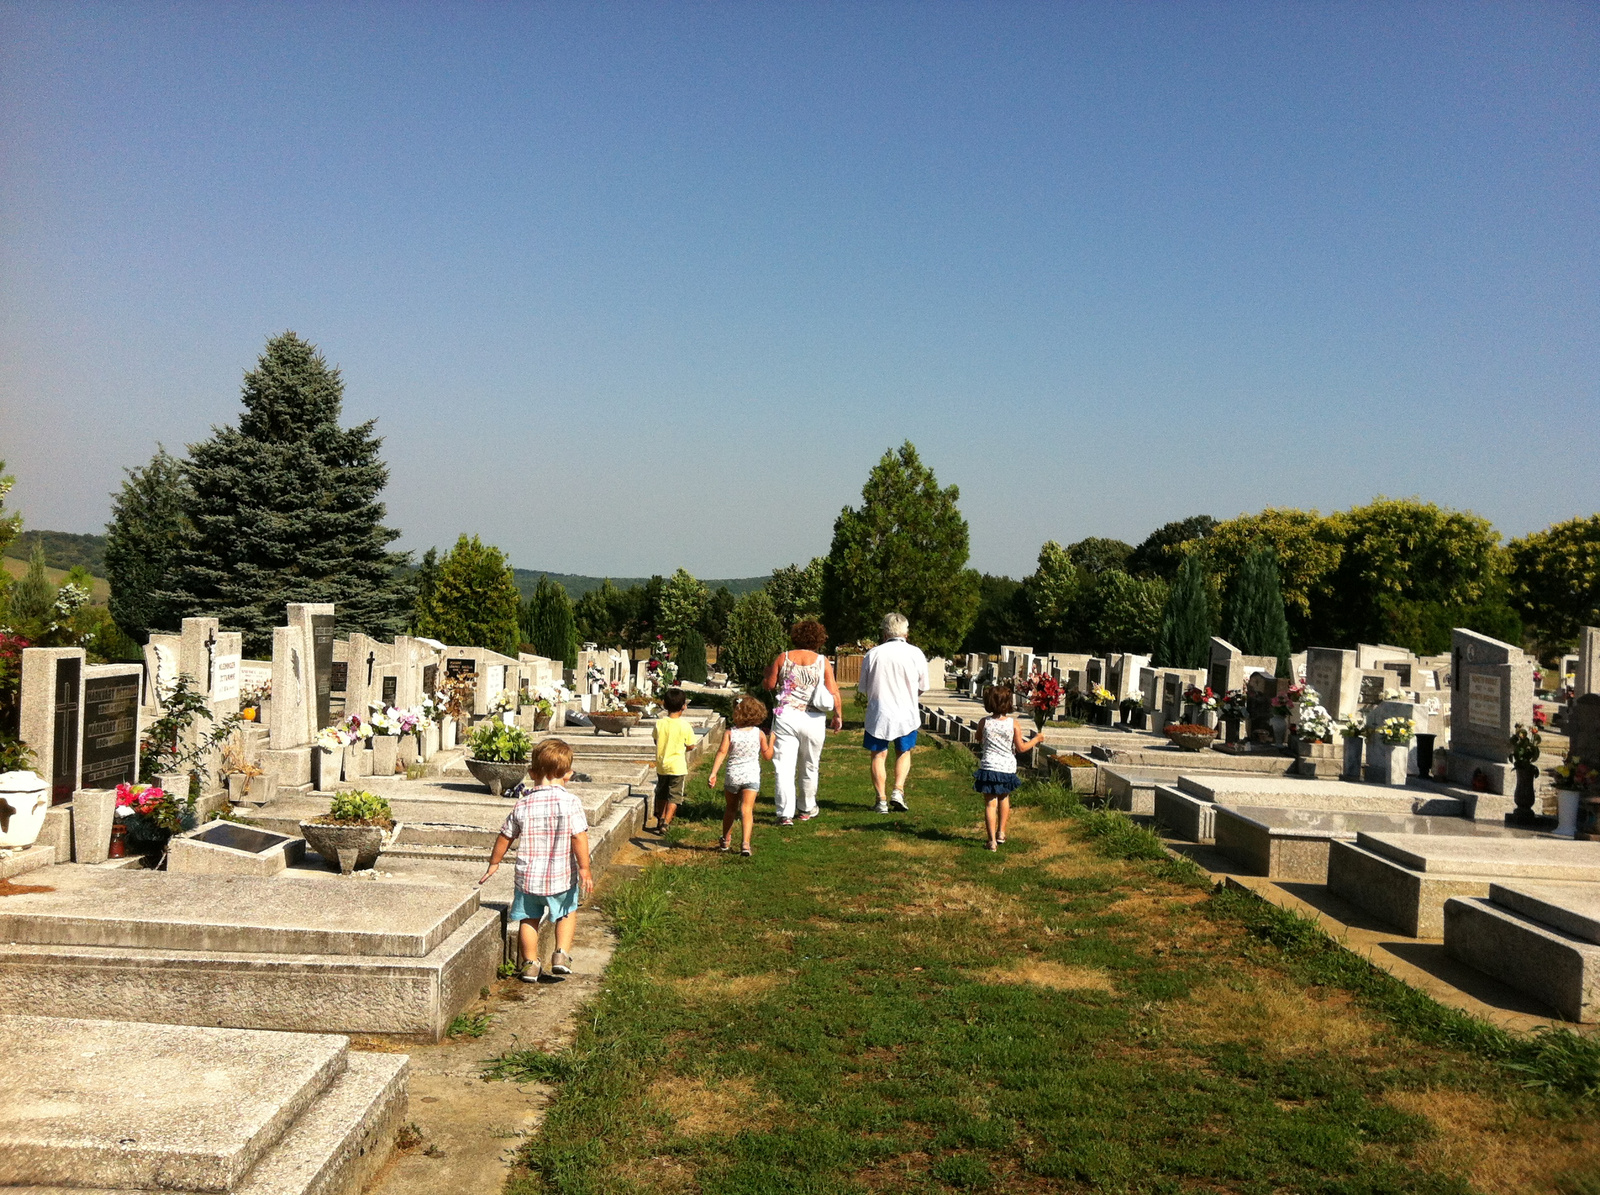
744,758
999,745
796,682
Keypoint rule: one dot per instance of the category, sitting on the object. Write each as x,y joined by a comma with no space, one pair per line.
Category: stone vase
93,813
385,754
1206,718
352,761
410,750
1386,762
1352,758
447,734
1280,730
1523,814
430,741
1566,813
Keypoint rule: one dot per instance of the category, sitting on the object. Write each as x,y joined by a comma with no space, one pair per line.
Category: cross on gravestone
66,731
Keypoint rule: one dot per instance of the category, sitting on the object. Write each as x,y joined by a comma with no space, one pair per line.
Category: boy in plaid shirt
552,838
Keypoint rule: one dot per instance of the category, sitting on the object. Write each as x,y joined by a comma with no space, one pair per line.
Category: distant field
99,594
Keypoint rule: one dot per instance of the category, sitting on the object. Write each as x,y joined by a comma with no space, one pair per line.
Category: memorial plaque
110,731
1323,676
322,665
1483,701
430,679
1219,678
391,686
1169,693
1402,672
224,679
64,753
339,678
455,668
1371,690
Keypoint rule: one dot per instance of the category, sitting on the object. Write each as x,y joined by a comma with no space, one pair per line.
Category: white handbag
821,701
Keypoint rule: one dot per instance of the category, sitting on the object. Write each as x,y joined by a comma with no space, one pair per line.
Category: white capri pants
797,742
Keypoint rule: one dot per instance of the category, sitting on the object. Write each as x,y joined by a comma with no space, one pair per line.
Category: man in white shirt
893,675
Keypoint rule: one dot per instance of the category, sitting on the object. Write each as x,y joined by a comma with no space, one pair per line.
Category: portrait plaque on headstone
110,731
1483,700
64,753
391,685
1169,693
322,664
1219,678
430,679
1371,690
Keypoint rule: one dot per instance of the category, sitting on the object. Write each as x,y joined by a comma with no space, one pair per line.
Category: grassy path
876,1003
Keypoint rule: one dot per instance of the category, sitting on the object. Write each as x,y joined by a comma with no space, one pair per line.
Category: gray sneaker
881,807
561,963
530,971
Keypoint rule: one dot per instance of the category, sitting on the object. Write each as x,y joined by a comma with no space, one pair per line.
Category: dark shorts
994,784
874,744
670,788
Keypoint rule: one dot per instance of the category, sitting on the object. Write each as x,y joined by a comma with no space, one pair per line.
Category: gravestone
1260,689
1150,690
1400,670
1333,674
1226,672
338,690
51,715
1588,667
1491,690
1584,728
1373,685
430,679
1171,698
289,757
315,621
111,727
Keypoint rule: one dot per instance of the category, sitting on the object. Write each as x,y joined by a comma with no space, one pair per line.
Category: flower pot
410,750
613,721
119,842
385,754
1125,713
325,767
1230,728
351,768
447,734
1192,742
1386,762
1280,730
1352,758
1425,754
1567,813
496,775
1141,720
1523,814
541,721
27,796
345,848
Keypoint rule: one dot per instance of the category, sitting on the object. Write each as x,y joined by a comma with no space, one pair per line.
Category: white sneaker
881,807
898,800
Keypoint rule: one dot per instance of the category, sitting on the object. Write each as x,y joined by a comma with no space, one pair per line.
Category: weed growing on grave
876,1003
470,1024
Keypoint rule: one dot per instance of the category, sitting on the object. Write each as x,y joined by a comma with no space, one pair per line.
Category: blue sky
629,287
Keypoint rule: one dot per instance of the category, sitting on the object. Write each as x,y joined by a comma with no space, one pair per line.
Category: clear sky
629,287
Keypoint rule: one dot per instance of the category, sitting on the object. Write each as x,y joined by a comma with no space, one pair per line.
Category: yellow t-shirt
674,737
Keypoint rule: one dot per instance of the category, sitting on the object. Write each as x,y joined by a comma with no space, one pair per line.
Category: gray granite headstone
1333,674
1588,669
51,715
1585,728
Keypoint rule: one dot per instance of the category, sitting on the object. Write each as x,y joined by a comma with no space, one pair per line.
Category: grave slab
1289,792
250,914
1571,908
1502,856
20,862
227,848
124,1104
1557,968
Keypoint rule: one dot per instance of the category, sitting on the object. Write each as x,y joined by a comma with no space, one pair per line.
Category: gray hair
895,626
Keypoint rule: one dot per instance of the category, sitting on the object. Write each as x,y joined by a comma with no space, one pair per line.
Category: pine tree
754,638
284,508
904,549
690,653
1255,618
550,626
142,541
1185,637
33,597
713,626
475,601
423,579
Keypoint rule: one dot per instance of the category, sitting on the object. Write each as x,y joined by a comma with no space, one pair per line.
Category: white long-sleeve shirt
893,675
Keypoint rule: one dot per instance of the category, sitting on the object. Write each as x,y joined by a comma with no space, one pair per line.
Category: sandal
726,844
746,851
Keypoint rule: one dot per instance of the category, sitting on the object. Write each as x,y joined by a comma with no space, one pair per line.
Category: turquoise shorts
531,906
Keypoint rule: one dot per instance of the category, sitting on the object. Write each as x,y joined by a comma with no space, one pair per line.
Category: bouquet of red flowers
1205,698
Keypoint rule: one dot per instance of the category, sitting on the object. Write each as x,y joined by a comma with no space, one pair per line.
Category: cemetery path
877,1003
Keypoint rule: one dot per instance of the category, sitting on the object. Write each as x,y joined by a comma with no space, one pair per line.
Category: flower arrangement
1191,728
1236,703
496,742
1134,704
1282,703
1352,728
505,702
596,676
455,695
151,814
1316,723
1103,698
1205,699
1574,773
661,671
331,739
251,696
1044,695
1397,731
1524,745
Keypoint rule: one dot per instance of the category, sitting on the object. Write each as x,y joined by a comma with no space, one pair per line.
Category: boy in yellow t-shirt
674,737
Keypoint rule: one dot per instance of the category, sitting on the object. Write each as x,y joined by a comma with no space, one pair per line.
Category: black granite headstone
64,746
322,665
110,739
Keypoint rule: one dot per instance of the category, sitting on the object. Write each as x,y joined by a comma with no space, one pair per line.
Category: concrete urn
347,848
24,800
497,776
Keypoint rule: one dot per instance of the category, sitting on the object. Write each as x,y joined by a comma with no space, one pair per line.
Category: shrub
495,742
359,806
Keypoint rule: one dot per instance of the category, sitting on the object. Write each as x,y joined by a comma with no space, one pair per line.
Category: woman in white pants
797,729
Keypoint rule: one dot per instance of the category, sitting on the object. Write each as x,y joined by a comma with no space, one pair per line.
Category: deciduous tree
796,591
1164,548
904,548
1554,579
683,601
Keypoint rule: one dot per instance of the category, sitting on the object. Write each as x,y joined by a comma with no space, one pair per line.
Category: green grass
843,1013
470,1024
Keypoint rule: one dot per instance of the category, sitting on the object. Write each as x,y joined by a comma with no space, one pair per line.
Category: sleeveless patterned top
999,745
796,682
744,758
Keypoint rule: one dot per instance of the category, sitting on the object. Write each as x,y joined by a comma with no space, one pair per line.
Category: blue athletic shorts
874,744
530,906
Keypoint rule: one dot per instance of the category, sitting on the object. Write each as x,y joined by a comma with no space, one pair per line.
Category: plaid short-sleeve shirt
542,824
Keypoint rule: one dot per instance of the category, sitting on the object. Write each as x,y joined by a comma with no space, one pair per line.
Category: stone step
240,914
309,993
95,1103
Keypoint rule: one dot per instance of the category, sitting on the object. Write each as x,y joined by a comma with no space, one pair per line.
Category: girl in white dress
1000,741
743,747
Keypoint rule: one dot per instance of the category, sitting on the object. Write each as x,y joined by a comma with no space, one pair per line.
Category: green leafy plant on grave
358,807
495,742
470,1024
183,706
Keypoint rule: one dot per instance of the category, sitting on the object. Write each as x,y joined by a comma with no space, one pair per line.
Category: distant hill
577,585
62,549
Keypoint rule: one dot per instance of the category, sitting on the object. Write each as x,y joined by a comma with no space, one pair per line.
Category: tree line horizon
286,506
